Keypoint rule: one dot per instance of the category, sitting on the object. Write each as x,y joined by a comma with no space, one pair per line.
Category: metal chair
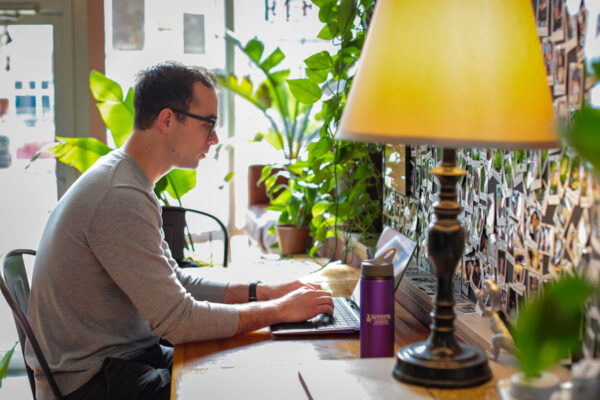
174,225
15,288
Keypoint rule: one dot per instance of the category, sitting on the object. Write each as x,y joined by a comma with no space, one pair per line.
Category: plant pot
541,388
292,240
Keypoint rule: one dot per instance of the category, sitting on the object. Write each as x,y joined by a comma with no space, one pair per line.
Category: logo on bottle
379,319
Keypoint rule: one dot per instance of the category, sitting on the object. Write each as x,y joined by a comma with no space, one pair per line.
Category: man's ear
166,118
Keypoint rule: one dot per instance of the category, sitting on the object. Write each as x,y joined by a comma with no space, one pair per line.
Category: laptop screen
405,248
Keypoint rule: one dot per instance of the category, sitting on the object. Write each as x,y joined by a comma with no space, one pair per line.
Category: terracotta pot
292,240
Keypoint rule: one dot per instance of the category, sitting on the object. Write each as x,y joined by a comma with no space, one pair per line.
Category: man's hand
272,292
298,305
302,304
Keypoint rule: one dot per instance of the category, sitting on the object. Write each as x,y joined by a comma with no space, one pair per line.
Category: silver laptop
346,312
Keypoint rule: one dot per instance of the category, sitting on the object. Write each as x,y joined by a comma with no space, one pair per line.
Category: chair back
174,225
15,289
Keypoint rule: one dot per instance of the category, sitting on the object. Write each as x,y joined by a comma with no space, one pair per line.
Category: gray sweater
104,282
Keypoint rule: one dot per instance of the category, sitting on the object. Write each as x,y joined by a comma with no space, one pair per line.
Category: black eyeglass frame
201,118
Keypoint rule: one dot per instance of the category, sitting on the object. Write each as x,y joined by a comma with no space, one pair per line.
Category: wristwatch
252,290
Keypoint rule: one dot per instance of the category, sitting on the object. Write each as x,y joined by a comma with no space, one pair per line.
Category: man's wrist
252,291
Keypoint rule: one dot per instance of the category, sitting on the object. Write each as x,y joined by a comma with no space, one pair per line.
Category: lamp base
417,365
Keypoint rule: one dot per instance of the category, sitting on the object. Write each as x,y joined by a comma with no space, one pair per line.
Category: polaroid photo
516,204
581,31
511,304
554,188
501,266
573,247
510,267
563,213
570,31
492,253
575,85
548,53
535,260
534,173
490,219
520,297
586,196
557,22
546,243
574,179
557,257
483,246
533,285
542,17
561,110
584,227
507,172
476,173
477,273
519,256
534,220
560,71
490,273
565,168
501,205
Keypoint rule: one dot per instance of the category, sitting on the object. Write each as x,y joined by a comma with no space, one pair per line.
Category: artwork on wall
128,24
529,217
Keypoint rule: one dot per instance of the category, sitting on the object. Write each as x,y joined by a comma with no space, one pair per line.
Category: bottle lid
379,267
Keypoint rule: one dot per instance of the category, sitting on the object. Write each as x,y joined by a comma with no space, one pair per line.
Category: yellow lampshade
456,73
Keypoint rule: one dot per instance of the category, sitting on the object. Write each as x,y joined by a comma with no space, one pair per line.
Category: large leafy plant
117,113
349,173
290,120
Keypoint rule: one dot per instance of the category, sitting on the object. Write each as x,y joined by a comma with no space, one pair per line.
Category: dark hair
168,84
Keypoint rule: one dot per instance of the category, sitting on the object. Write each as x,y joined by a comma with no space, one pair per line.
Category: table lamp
453,73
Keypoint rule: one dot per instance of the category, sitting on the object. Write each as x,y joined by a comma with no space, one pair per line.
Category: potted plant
295,198
291,127
350,174
117,113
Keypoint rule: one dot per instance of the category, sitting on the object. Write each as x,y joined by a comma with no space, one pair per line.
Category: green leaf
325,33
320,207
345,14
305,90
283,199
179,182
548,326
104,89
326,10
118,118
229,176
80,153
254,49
318,149
4,363
272,60
280,76
584,135
317,75
321,60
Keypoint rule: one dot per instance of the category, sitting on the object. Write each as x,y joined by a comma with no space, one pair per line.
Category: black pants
144,377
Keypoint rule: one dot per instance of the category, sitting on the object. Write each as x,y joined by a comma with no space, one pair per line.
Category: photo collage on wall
528,216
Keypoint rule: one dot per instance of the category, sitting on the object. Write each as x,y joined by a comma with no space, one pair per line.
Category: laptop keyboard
342,316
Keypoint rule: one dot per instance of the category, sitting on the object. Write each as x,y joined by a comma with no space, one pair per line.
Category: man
105,288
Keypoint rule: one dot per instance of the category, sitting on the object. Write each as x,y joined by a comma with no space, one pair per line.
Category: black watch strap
252,290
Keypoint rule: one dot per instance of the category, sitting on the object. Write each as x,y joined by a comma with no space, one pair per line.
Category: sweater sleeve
126,238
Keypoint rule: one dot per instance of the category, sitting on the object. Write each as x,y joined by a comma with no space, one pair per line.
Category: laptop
346,313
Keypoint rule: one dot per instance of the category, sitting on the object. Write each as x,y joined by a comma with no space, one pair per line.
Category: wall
529,216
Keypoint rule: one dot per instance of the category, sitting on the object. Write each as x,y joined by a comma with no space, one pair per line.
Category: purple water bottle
377,306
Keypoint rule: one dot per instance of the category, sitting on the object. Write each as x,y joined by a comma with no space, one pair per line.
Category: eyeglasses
213,121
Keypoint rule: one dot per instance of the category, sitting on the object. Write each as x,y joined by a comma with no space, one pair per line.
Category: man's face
191,142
